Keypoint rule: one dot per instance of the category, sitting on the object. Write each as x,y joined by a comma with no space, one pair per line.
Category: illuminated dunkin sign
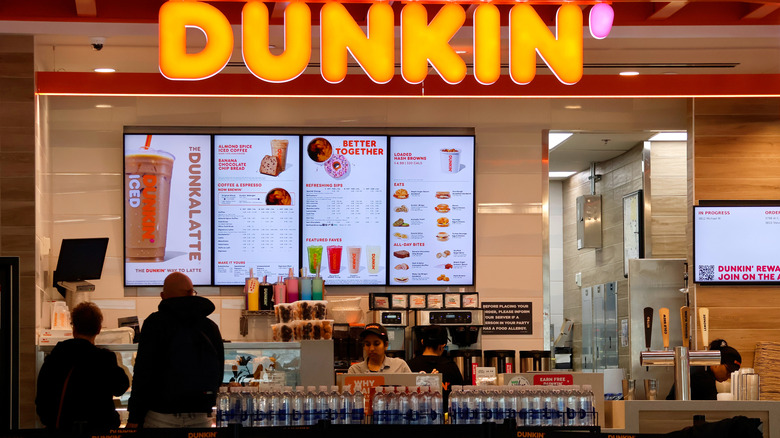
424,41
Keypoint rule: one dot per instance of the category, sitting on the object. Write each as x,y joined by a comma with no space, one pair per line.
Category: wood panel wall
669,199
736,156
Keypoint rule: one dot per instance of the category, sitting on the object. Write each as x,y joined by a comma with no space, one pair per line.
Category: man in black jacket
180,360
78,380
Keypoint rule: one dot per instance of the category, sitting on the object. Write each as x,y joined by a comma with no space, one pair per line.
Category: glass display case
285,363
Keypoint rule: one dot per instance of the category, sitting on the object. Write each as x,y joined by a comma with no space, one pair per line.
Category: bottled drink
404,406
572,407
334,404
534,408
278,413
247,405
262,416
425,405
234,415
587,413
296,407
547,408
223,407
437,412
323,410
500,403
511,406
310,406
454,402
346,404
393,408
379,406
414,405
358,407
560,407
473,401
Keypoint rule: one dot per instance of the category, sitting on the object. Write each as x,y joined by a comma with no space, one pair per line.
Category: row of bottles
407,405
283,406
559,406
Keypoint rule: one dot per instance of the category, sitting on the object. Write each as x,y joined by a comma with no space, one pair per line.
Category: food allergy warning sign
507,318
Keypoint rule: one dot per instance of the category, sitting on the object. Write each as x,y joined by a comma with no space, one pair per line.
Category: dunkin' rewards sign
167,208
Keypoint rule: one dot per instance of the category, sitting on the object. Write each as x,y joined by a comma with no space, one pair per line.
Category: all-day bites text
344,208
432,210
256,192
167,200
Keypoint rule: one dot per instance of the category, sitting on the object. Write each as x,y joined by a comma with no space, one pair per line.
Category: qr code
706,272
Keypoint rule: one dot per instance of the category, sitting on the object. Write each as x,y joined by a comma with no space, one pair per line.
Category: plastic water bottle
247,405
309,406
323,410
414,405
262,417
346,404
379,406
393,408
473,405
404,406
547,408
296,406
278,408
587,413
535,408
425,405
223,407
234,414
438,407
454,402
334,404
358,407
511,406
572,407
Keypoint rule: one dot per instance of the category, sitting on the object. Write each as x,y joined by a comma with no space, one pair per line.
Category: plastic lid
223,389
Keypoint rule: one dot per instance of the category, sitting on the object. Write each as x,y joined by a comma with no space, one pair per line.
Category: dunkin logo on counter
425,41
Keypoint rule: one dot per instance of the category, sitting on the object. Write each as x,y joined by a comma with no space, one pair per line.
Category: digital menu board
431,230
167,199
344,218
256,206
736,244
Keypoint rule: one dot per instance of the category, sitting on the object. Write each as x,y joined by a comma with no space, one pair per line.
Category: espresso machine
396,322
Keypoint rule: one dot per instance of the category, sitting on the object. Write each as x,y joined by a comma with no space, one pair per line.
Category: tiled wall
556,257
18,190
669,198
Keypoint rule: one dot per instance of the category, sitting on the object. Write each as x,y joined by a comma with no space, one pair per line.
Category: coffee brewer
396,323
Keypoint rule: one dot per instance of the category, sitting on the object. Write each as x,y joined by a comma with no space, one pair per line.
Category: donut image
278,196
319,150
337,166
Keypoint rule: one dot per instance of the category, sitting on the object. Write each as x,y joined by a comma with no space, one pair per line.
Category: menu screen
167,201
256,197
344,208
431,231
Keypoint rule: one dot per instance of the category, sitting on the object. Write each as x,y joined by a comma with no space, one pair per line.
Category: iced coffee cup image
373,257
279,150
450,160
353,259
147,192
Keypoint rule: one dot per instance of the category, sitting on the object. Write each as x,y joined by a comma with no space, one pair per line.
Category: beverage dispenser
396,322
464,327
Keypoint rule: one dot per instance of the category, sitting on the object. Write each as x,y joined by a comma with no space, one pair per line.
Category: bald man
180,360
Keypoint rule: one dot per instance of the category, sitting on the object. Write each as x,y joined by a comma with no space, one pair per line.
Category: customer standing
180,360
78,380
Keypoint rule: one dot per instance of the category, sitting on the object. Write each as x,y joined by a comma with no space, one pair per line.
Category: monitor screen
736,244
81,259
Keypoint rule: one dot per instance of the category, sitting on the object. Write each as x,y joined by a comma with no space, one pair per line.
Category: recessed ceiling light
103,105
556,138
561,174
573,106
104,70
629,73
670,136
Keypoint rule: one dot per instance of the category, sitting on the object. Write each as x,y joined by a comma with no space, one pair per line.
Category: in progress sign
507,318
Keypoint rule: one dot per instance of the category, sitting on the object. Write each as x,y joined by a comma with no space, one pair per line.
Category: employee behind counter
374,339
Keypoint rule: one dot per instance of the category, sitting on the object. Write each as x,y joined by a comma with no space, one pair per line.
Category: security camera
97,43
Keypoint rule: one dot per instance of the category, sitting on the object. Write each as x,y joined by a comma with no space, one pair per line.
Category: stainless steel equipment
464,327
467,362
396,322
681,359
534,361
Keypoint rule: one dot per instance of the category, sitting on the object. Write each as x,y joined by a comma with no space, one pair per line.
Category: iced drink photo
148,186
372,258
279,150
450,160
315,258
353,261
334,259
